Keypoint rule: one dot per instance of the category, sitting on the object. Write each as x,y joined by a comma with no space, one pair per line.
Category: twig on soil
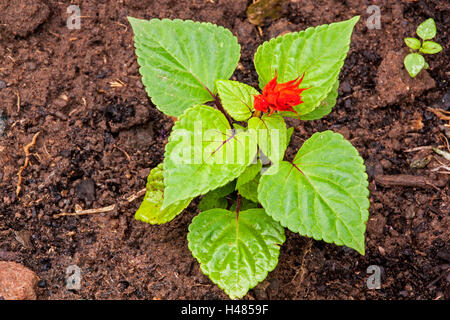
15,123
138,194
419,149
260,31
404,180
441,167
54,34
18,101
83,212
100,210
303,269
122,25
71,113
442,153
445,141
123,151
27,160
46,152
440,113
116,83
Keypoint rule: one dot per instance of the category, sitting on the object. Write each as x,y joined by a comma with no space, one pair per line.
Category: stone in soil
86,190
2,124
17,282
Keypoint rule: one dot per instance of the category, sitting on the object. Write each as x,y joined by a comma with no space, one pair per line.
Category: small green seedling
415,62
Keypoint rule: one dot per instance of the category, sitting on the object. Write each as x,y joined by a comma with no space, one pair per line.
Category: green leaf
325,106
427,29
272,135
249,190
414,63
318,52
216,198
413,43
247,183
237,98
322,194
249,174
150,209
209,202
180,60
430,47
289,132
236,253
203,153
238,127
223,191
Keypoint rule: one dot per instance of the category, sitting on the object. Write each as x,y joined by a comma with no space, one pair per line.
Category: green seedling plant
229,140
415,61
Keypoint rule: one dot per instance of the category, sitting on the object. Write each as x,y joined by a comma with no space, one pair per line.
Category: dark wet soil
99,136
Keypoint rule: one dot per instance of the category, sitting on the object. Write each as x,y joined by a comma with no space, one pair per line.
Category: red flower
279,96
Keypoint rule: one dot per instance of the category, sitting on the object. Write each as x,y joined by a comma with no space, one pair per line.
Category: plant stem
257,113
238,204
219,106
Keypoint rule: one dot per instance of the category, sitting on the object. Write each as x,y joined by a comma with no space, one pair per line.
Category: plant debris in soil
98,135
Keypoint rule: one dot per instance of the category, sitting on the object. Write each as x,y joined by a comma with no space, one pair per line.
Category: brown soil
98,142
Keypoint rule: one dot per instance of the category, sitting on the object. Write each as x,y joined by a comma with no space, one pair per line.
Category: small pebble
86,190
446,101
345,87
31,65
348,103
60,103
386,164
404,293
42,284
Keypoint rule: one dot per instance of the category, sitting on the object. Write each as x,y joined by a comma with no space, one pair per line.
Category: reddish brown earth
97,143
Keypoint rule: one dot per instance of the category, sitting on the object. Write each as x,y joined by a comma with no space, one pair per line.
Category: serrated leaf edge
364,185
216,282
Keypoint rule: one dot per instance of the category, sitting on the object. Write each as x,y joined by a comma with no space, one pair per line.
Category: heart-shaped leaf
204,153
180,61
237,98
414,63
322,194
427,29
236,251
